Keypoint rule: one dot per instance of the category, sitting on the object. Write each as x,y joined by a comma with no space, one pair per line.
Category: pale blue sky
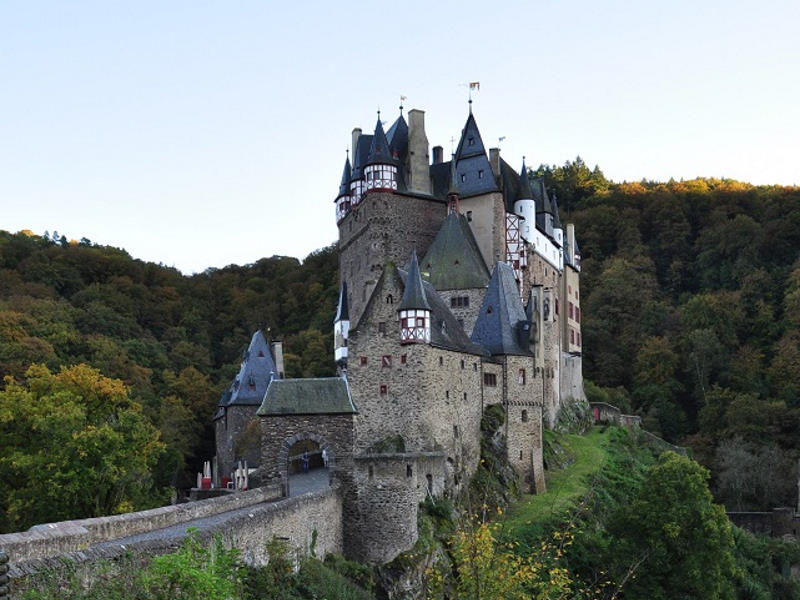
200,134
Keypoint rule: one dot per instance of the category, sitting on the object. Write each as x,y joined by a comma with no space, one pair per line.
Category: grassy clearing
566,486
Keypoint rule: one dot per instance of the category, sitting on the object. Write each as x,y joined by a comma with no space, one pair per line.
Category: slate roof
440,178
379,151
257,370
342,309
474,171
453,260
344,186
502,326
414,295
398,138
524,192
317,396
446,331
556,218
509,180
360,156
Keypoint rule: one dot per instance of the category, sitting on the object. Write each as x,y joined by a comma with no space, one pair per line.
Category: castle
459,290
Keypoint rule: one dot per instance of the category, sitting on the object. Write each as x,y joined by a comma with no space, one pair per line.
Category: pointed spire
525,192
414,294
344,186
379,149
343,310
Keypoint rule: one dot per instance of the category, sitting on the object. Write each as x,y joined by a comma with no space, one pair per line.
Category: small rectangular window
462,363
463,177
571,336
490,379
384,389
403,359
382,327
386,360
362,360
455,431
469,216
522,376
480,173
441,361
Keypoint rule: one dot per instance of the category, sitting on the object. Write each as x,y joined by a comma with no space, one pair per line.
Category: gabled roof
379,151
343,309
474,171
318,396
414,295
501,327
344,186
398,138
446,331
257,370
453,260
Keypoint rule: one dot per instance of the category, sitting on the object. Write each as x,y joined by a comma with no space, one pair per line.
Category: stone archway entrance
306,463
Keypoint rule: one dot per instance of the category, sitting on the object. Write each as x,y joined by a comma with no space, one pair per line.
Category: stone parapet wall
52,539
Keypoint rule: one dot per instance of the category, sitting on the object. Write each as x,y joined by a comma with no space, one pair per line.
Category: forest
113,366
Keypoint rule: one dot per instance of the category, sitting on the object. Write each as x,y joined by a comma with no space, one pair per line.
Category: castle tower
525,206
380,170
558,230
414,310
544,212
341,330
360,151
343,198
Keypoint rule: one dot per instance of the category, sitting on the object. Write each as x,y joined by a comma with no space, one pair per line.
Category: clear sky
201,134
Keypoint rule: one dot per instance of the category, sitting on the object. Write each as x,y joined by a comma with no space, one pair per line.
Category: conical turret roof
472,165
343,309
524,192
379,152
414,294
344,186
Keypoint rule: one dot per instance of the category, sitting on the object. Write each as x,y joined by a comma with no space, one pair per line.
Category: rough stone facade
487,219
465,311
380,512
228,430
383,228
333,433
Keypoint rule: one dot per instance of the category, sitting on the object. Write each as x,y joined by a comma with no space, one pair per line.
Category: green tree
680,540
74,445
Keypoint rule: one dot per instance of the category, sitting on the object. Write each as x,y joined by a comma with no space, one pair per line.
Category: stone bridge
245,520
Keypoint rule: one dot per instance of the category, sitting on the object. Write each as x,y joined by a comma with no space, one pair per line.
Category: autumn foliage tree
74,445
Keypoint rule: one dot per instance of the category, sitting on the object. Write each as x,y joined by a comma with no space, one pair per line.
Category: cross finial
452,145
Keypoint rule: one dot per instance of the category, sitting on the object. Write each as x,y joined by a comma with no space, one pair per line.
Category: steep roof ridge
257,370
414,293
343,308
344,186
454,260
501,314
379,151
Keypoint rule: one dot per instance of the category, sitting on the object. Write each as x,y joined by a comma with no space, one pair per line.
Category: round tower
525,206
414,310
380,170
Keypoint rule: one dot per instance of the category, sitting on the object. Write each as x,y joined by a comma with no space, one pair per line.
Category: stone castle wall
487,218
466,315
572,377
333,433
227,430
524,422
381,505
384,227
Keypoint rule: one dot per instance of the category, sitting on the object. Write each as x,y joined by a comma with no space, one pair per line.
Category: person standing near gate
324,458
305,461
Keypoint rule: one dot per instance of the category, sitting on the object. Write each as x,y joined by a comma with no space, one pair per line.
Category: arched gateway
311,417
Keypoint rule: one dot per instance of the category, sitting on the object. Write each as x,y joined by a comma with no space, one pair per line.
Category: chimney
494,160
418,158
438,154
356,135
277,352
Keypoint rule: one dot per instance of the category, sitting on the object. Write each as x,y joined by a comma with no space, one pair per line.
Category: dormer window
471,141
463,177
480,174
